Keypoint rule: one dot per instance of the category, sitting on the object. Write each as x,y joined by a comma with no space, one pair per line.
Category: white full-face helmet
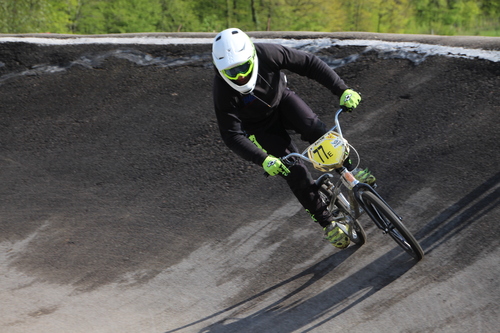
236,60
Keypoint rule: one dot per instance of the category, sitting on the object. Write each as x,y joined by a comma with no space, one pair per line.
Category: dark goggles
239,71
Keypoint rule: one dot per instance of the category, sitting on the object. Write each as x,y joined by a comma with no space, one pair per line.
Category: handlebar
288,158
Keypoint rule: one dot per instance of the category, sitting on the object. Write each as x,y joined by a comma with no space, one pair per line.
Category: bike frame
354,202
348,198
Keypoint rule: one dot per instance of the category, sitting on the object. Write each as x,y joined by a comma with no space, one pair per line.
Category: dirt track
122,210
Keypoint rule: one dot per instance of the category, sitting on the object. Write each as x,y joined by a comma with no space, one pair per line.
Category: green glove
275,166
349,100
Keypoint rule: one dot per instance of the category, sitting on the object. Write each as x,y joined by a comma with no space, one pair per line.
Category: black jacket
237,113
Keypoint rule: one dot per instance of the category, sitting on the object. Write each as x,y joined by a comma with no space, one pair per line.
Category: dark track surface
122,210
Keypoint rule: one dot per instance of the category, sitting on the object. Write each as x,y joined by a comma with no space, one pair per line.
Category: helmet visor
239,71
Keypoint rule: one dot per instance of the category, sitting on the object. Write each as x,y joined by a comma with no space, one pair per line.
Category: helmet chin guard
231,48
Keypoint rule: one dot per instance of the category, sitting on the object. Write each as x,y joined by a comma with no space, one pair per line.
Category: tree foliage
473,17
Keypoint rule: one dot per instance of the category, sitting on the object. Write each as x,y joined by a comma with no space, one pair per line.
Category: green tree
63,15
119,16
22,16
212,14
446,16
390,15
359,15
178,15
305,15
490,17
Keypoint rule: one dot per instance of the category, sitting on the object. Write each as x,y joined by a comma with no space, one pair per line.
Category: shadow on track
318,271
294,312
460,215
322,307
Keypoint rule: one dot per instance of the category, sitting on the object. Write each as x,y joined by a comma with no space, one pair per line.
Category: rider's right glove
274,166
349,100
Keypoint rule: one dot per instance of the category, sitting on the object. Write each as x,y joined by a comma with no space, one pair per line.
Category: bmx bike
348,199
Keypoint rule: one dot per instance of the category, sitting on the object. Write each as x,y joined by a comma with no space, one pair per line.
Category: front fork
354,203
356,189
357,193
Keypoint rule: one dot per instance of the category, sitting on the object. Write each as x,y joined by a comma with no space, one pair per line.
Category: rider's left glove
349,100
274,166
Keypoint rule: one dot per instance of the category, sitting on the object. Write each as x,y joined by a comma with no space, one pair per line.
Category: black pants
294,114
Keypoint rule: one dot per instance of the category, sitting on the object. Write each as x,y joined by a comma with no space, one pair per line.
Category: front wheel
390,223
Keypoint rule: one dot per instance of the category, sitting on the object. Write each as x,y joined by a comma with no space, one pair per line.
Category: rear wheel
342,214
358,235
391,224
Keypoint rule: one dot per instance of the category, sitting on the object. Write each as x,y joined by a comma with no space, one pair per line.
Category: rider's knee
316,130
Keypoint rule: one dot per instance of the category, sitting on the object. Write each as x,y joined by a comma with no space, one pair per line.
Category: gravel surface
122,210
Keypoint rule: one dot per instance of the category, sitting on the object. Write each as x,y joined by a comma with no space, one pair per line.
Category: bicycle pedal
340,219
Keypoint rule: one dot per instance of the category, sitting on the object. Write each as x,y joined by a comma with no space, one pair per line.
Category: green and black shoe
337,234
364,176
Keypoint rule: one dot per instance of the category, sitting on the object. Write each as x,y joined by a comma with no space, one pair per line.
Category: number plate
329,152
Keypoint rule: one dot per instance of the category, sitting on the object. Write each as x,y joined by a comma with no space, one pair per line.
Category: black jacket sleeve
303,63
226,105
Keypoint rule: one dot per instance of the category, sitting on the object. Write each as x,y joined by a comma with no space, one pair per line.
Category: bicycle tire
358,235
382,214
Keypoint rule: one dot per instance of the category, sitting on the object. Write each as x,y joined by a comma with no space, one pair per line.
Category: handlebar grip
287,163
